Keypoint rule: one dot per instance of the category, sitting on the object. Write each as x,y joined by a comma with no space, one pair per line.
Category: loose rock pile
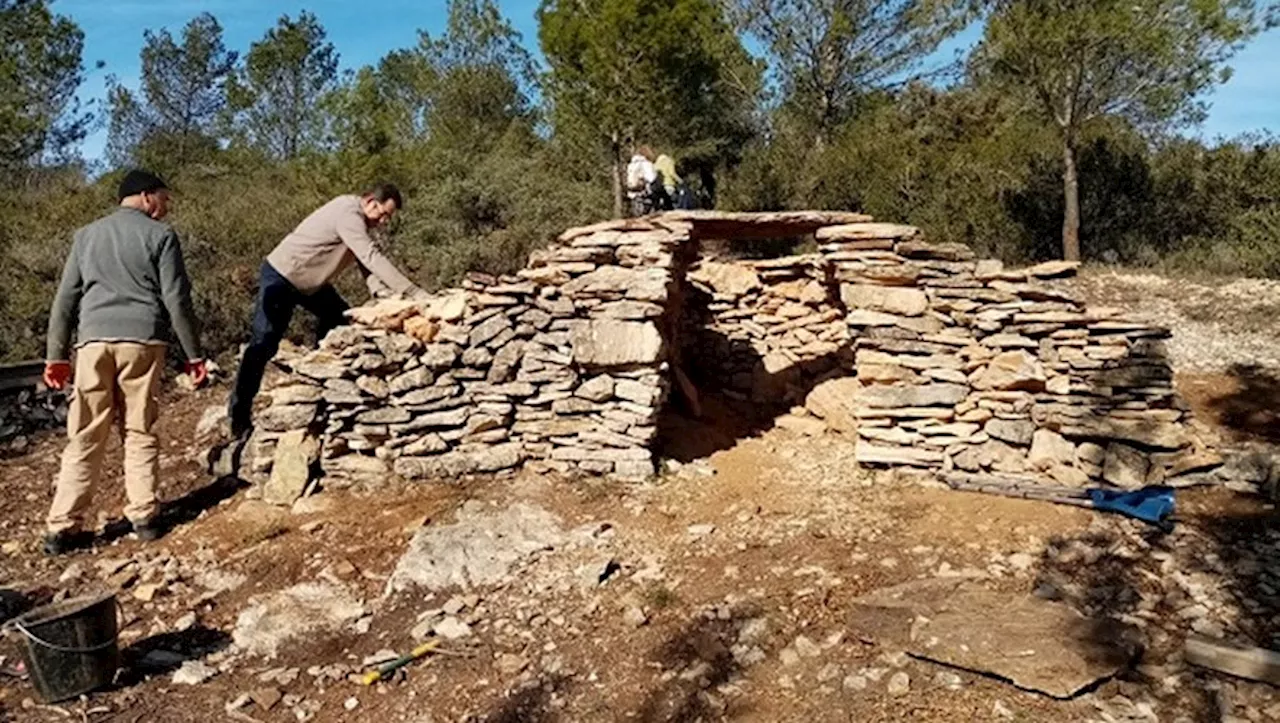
763,330
24,412
959,363
968,365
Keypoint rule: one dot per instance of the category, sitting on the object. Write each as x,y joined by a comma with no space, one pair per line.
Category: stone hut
919,353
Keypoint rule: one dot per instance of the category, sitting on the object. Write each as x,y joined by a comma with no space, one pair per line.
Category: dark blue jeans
272,312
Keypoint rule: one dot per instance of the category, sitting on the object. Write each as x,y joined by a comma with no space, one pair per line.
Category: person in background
300,272
124,287
641,179
665,165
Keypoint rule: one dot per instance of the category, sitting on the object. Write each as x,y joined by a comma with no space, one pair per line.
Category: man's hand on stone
198,371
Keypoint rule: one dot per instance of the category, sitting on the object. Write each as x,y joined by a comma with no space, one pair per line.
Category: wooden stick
1252,663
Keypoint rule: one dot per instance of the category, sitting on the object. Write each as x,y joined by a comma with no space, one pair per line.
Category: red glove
198,371
57,374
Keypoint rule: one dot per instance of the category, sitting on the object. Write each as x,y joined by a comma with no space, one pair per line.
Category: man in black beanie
124,286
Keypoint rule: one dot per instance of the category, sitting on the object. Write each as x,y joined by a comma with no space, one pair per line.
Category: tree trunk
618,171
1071,195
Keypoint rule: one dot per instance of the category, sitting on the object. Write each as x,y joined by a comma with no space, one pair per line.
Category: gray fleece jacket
124,281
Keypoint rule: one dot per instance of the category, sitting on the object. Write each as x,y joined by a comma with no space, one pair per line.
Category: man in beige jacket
300,271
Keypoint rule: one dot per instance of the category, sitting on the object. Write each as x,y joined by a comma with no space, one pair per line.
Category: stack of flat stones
763,329
966,365
562,365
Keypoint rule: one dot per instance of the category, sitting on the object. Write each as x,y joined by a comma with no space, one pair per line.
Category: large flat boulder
1037,645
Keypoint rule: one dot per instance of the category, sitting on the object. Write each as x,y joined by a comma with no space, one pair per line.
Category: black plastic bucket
70,646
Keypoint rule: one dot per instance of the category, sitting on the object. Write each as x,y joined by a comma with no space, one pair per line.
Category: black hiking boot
148,531
60,543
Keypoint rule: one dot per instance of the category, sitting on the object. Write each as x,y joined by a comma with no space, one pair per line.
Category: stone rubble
23,412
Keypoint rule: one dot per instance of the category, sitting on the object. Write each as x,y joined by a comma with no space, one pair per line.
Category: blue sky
365,31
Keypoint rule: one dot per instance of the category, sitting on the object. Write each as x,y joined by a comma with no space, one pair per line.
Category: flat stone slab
479,549
1037,645
271,621
748,225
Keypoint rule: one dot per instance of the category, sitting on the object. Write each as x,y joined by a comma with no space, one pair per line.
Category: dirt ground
686,599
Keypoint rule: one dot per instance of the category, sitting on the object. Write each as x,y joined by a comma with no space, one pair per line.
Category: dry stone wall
946,361
965,364
563,364
763,331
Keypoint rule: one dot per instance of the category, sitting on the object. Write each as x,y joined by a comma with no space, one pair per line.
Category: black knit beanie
139,181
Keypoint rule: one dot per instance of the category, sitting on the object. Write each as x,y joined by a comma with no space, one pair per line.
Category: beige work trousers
115,384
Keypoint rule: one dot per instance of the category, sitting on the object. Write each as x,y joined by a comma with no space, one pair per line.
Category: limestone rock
285,417
640,284
627,309
505,362
887,299
426,445
866,231
295,394
1001,457
1014,431
355,468
385,314
1069,476
291,470
923,395
448,308
397,348
445,418
1012,370
596,389
479,549
1050,449
440,356
886,373
498,457
637,392
374,387
866,453
422,329
940,251
443,467
1091,453
488,329
806,426
1053,269
305,609
727,279
1125,466
321,365
834,401
193,672
607,343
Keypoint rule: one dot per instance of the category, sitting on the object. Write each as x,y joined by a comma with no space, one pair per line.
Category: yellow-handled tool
385,669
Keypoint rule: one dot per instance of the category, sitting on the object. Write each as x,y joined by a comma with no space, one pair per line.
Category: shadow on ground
1253,408
184,510
700,657
531,703
165,653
